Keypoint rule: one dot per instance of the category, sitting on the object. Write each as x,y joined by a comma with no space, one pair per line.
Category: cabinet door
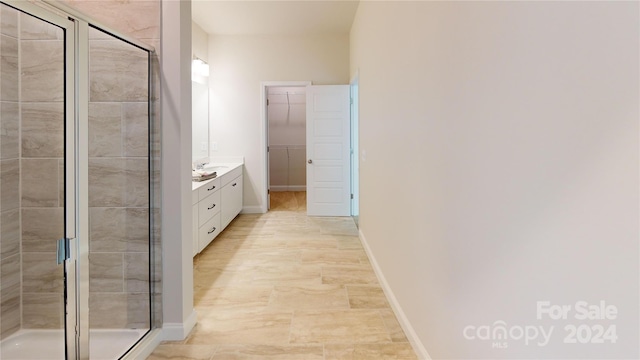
231,201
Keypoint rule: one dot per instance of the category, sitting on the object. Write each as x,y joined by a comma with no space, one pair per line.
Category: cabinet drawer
208,207
231,175
208,231
209,188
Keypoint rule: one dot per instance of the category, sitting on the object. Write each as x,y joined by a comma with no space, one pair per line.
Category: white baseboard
252,210
417,345
288,187
179,331
145,347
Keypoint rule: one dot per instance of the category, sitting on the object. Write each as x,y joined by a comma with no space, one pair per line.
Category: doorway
285,140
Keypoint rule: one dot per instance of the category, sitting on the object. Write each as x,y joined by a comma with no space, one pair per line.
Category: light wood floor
283,285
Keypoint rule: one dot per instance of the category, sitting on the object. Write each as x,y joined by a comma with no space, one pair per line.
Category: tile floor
283,285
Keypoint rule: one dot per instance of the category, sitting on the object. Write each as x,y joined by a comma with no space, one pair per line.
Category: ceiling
264,17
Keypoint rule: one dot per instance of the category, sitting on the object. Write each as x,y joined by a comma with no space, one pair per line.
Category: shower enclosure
79,187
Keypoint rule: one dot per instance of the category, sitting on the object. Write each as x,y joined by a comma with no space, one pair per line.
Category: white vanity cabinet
231,196
215,203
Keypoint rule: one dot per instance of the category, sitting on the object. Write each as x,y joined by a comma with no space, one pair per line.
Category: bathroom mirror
200,121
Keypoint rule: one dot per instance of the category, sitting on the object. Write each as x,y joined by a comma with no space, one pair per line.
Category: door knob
310,161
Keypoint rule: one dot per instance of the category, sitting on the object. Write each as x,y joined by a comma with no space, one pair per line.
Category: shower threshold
104,344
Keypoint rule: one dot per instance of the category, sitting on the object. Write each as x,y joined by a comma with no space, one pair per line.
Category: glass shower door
119,194
37,182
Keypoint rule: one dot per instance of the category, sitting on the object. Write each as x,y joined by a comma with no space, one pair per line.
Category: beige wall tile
105,129
136,272
9,74
42,71
107,229
9,126
32,28
107,310
106,182
106,272
119,229
61,183
39,182
41,274
135,117
137,229
9,184
43,129
8,21
136,182
42,311
41,227
10,313
138,311
117,71
10,295
9,233
362,326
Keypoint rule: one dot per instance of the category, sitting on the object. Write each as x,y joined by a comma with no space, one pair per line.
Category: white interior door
328,162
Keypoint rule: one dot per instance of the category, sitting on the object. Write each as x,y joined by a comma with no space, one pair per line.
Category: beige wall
238,65
511,133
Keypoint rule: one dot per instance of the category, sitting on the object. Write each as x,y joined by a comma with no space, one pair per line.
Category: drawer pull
212,230
211,207
211,188
234,184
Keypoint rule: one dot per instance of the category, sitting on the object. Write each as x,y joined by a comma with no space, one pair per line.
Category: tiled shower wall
10,294
31,183
141,20
118,184
42,171
31,167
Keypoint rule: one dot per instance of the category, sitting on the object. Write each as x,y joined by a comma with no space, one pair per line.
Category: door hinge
267,149
267,102
351,196
351,101
268,191
63,252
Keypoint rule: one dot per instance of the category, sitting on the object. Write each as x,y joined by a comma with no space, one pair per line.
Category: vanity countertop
228,167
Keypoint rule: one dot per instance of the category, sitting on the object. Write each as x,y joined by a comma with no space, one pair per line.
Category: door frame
264,136
71,220
354,94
